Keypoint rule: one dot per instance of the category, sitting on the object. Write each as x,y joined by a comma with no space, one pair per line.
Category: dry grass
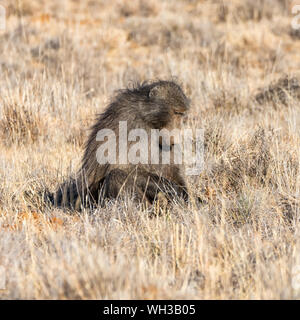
20,126
239,62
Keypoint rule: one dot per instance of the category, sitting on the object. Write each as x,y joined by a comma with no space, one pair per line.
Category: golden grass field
239,62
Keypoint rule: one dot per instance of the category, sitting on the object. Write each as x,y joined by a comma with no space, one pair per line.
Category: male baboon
157,105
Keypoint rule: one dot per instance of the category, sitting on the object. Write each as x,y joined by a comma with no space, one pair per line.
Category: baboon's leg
118,183
145,187
169,188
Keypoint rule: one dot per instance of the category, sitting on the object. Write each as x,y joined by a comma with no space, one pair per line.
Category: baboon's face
174,126
177,106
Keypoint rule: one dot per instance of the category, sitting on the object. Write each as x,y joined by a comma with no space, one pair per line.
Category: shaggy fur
156,105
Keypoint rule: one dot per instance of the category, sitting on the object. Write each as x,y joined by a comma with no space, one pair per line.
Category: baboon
149,105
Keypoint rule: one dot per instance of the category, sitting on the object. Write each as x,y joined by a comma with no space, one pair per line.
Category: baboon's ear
157,92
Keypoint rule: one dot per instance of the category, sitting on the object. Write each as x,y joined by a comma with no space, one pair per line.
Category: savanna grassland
239,62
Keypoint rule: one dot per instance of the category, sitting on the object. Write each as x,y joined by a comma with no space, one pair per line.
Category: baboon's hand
161,203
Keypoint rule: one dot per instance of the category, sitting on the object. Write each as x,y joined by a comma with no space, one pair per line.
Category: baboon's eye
179,113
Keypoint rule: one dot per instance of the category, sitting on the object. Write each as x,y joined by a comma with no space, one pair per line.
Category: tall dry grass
239,62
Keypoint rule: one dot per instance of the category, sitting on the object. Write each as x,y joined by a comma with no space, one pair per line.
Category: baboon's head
166,107
170,96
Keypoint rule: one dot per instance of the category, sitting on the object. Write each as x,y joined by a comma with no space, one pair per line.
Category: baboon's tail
71,195
67,196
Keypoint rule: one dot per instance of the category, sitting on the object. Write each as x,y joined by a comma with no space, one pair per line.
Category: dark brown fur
156,105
